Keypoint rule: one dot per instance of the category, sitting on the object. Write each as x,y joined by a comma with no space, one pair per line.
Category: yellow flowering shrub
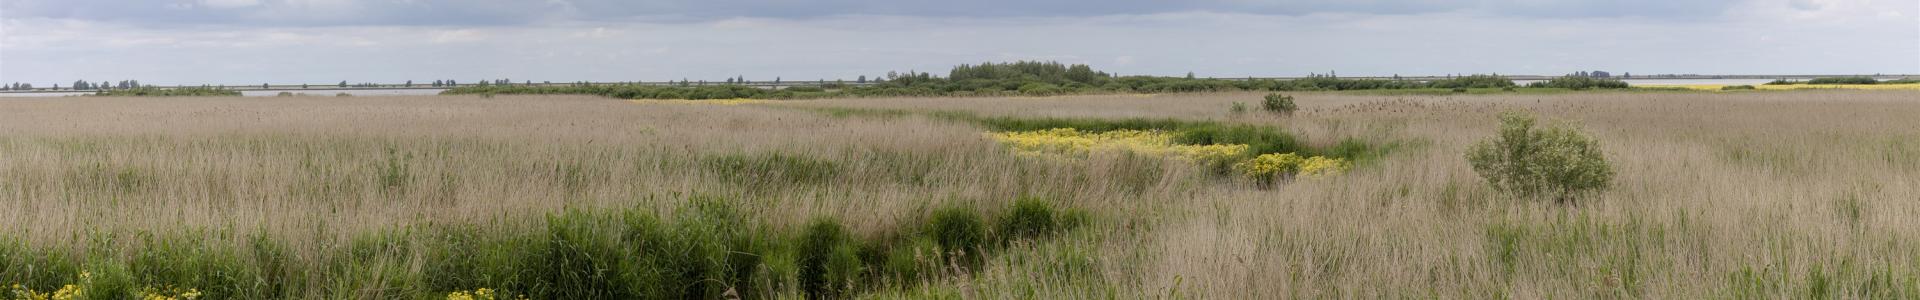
66,292
1321,165
1073,142
1268,166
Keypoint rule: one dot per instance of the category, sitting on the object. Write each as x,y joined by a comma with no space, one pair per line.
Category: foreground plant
1556,162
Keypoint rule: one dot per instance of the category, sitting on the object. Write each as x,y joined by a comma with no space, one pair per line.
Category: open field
1717,195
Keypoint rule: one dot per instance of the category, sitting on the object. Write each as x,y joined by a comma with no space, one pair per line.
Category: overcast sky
326,41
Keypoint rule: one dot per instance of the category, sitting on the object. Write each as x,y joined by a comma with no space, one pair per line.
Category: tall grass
583,197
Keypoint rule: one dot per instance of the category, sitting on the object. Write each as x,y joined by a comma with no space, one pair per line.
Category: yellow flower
1075,143
1267,166
1322,166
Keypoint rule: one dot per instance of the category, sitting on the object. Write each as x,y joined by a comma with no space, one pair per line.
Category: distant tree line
1023,78
77,85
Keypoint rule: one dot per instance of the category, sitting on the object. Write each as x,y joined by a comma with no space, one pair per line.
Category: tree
343,83
863,79
409,83
265,86
776,80
1556,162
1189,75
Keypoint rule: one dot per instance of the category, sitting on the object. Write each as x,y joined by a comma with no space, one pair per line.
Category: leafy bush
1844,80
1783,82
1528,162
1237,108
1736,87
1279,104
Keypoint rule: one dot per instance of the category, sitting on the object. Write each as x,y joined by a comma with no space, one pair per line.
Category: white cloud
229,3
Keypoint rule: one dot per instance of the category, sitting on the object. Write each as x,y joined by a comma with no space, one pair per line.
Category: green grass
705,250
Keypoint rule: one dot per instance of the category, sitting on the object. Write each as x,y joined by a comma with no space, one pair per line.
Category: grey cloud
508,12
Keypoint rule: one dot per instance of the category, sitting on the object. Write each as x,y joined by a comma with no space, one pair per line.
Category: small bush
1029,218
1736,87
1782,82
958,231
284,94
1238,108
1279,104
1459,90
1529,162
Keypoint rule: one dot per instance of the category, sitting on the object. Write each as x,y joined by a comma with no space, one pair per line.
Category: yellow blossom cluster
1073,142
66,292
1268,166
20,292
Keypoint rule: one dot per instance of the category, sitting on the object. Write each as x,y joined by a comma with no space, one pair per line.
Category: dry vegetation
1765,195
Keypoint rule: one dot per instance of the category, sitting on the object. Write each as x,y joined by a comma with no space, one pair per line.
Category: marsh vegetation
1708,195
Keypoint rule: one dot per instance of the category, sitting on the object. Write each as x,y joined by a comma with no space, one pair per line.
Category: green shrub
1459,90
1040,89
1528,162
1279,104
829,264
1783,82
1736,87
1844,80
1029,218
1237,108
958,231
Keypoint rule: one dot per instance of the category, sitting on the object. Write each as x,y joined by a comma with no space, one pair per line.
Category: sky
247,42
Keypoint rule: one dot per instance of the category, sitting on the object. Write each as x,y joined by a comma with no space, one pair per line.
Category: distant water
270,93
